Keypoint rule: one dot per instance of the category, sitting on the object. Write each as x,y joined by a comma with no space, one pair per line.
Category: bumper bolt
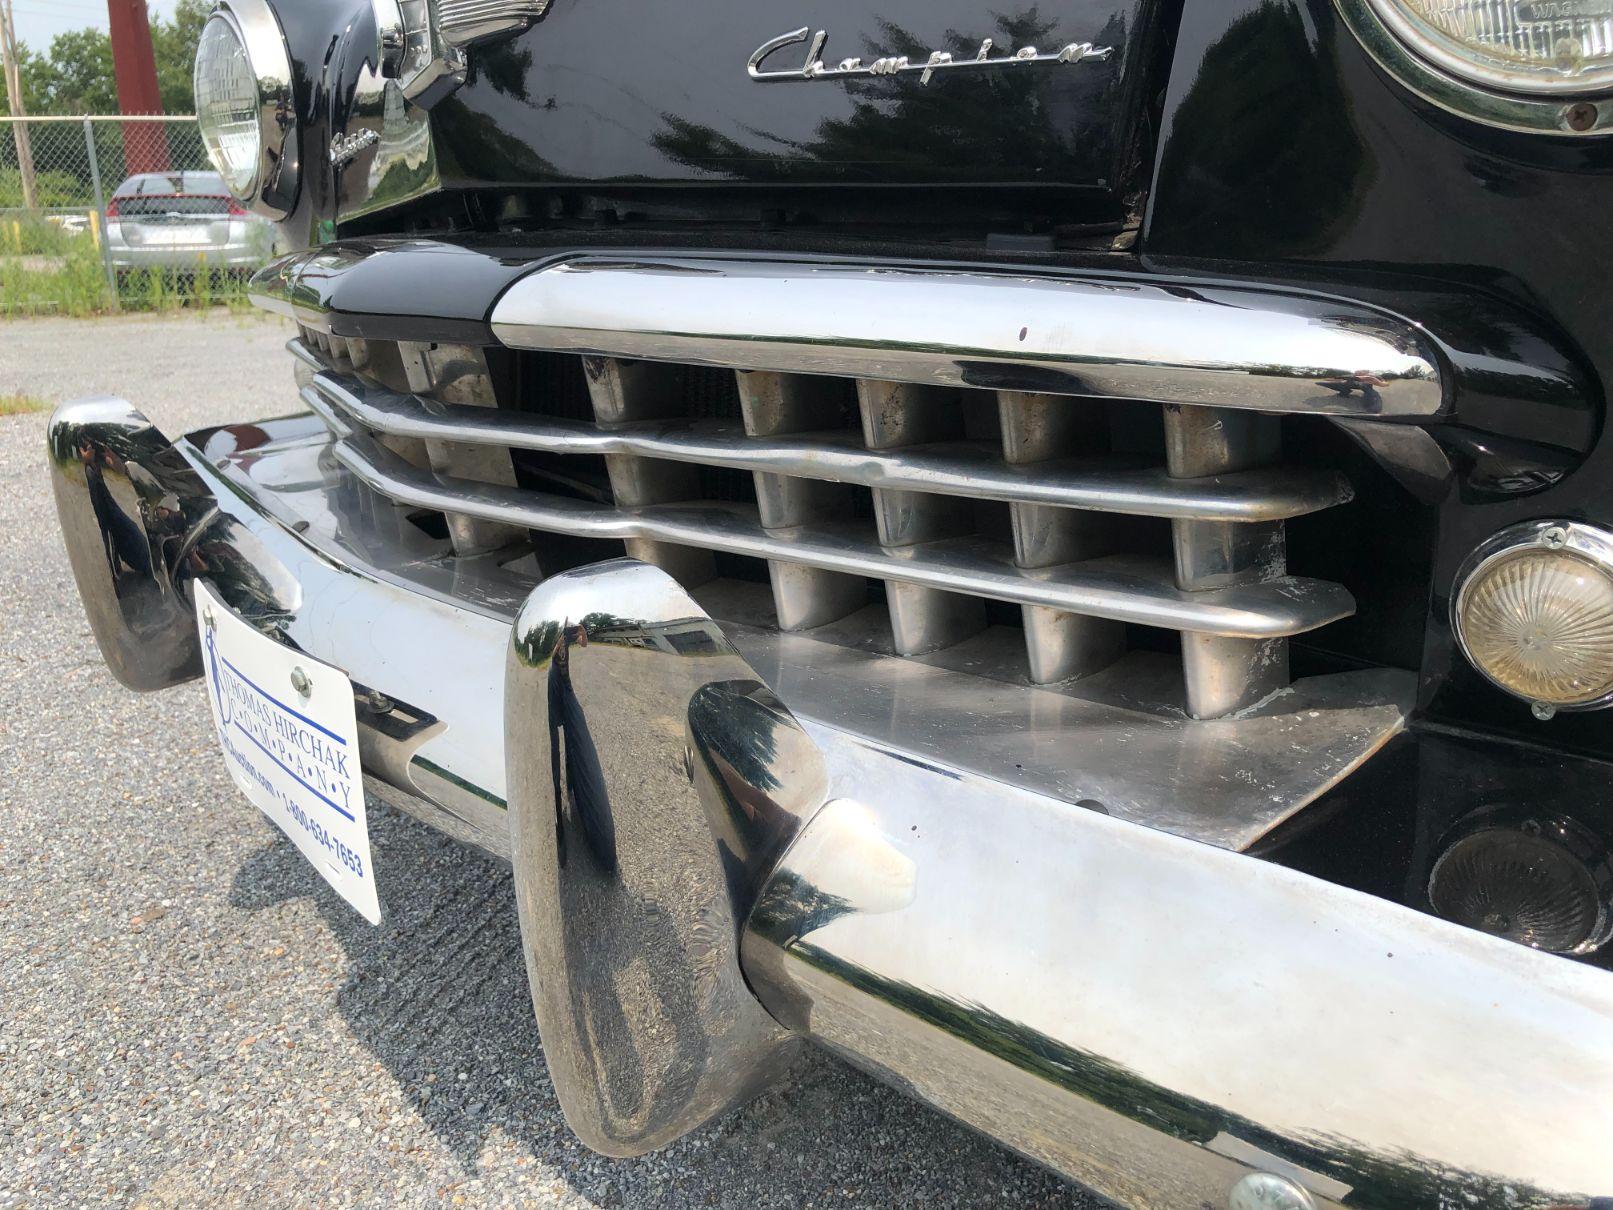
300,682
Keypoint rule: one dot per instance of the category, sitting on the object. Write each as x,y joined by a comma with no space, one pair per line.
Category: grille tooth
1225,674
624,392
775,405
1037,428
895,415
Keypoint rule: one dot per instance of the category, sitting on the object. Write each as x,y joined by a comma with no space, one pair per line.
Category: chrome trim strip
1113,338
975,470
1125,588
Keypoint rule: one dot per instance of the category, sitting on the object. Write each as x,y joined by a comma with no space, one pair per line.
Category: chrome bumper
726,842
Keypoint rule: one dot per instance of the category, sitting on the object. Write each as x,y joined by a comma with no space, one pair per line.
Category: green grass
47,271
17,404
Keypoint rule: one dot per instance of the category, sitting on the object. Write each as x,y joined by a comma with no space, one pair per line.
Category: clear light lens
1529,45
1539,623
227,107
1528,889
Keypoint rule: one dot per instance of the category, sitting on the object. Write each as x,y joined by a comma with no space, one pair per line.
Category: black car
1063,552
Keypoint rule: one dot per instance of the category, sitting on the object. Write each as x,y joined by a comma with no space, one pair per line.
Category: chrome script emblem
346,147
815,69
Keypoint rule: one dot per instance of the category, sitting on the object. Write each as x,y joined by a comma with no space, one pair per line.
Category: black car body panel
617,91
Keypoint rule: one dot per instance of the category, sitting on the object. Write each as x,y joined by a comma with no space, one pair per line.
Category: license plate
290,741
178,237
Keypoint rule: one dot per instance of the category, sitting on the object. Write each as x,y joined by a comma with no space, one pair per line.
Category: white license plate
290,741
178,237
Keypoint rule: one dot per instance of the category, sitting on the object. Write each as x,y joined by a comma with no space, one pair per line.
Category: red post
145,145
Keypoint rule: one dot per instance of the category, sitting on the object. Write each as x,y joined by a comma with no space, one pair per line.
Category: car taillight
112,207
238,211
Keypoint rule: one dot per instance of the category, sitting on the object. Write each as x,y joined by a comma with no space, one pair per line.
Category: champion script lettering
894,65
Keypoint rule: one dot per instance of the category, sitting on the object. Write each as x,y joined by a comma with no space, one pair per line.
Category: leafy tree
76,76
175,41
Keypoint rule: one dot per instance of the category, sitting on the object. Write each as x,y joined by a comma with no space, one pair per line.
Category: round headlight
1534,613
227,106
1527,46
244,106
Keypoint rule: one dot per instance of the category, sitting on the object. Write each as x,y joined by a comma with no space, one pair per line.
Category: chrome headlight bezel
1573,539
279,169
1578,106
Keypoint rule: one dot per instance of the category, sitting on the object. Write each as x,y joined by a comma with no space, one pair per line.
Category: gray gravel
188,1013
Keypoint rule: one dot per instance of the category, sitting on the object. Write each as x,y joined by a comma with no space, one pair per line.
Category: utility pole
134,61
19,129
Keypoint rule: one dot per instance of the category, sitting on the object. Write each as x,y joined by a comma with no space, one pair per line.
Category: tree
175,41
75,76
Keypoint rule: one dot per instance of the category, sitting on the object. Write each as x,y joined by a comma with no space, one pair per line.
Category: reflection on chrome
653,782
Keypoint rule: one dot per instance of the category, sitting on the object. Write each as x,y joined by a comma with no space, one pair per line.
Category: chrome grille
885,512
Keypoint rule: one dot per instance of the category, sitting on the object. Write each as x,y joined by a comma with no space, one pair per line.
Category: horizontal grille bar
1123,588
971,469
1090,335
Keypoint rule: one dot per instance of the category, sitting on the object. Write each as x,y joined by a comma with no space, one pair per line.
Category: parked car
187,222
1061,551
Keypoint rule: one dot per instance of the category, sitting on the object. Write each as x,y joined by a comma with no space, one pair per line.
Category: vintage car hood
625,91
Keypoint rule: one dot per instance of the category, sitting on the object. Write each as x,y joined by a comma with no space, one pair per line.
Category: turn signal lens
1535,614
1531,884
1529,46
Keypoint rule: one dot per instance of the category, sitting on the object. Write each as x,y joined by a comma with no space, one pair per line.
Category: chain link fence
101,213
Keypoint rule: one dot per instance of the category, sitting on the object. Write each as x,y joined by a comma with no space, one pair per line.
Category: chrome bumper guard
727,841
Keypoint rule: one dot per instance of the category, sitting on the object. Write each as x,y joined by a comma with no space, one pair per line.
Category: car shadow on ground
438,994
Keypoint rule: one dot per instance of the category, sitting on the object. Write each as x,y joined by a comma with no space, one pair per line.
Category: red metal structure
145,146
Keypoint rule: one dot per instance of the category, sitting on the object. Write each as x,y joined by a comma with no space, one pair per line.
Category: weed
17,404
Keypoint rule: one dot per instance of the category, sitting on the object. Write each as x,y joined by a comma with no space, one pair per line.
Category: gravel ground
188,1013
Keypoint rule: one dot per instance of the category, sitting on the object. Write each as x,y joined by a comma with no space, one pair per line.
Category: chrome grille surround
921,442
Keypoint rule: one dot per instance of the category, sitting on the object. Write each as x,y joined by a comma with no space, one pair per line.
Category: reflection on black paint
584,781
1010,124
1264,125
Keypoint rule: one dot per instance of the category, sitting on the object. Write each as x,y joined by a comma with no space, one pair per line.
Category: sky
38,21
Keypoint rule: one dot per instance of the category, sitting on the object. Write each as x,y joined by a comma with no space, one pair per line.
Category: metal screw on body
1554,538
300,682
1580,116
1544,711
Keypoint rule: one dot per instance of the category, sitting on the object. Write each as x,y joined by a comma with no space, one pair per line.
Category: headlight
244,105
1534,613
1528,46
227,106
1539,66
